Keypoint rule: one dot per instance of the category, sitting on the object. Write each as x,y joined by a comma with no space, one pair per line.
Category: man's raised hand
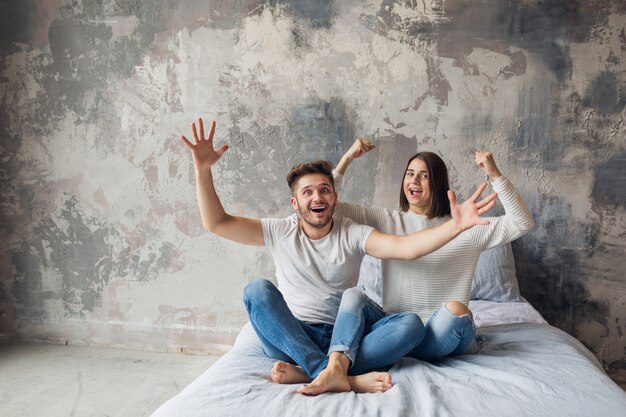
202,150
467,215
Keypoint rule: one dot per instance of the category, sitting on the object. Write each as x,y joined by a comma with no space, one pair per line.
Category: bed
524,367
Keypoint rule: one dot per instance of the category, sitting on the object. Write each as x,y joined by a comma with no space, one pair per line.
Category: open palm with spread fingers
204,154
467,215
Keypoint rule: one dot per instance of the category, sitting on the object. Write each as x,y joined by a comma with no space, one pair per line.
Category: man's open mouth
318,209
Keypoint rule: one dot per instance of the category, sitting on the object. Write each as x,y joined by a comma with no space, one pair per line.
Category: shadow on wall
549,269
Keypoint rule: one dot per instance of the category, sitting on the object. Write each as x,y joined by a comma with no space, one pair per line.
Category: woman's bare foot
286,373
371,382
331,379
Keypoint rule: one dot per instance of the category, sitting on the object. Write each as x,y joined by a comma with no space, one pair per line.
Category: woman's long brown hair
437,181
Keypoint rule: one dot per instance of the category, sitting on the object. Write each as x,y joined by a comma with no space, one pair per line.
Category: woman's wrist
494,176
343,164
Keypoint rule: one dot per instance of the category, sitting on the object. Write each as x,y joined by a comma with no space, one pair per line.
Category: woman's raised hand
359,147
204,154
486,162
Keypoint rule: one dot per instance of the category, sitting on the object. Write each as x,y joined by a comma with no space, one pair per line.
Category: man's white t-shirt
312,274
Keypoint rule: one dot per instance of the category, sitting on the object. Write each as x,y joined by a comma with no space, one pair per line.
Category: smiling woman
426,175
436,287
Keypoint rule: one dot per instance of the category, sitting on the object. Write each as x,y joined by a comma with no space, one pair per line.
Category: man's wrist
203,172
455,228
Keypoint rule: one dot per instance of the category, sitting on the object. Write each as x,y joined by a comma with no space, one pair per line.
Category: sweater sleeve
374,217
516,222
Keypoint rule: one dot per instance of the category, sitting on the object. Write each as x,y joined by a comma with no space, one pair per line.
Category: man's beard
318,223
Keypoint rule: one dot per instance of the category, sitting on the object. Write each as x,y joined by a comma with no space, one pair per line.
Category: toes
386,382
307,390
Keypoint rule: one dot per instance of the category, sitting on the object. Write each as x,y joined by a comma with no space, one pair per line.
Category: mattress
524,367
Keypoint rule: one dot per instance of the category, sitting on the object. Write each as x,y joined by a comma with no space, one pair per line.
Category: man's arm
214,217
418,244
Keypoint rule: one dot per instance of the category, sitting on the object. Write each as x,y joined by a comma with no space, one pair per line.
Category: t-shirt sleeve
275,229
358,235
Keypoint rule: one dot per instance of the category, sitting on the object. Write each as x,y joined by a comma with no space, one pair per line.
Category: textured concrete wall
101,240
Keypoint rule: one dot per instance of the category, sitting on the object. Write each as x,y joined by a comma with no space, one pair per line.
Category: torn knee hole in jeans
468,314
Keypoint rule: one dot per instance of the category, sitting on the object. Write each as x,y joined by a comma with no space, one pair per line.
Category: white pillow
494,278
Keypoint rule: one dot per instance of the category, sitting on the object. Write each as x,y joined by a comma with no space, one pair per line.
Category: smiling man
317,257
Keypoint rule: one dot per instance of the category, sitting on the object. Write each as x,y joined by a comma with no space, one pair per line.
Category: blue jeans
446,335
288,339
371,339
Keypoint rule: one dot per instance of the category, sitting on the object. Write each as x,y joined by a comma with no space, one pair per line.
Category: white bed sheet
522,369
491,313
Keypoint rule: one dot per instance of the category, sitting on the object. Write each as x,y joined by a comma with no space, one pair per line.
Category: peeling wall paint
101,237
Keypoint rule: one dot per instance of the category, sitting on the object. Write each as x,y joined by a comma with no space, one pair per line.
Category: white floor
43,380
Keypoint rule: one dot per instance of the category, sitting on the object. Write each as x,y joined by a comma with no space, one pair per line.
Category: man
317,258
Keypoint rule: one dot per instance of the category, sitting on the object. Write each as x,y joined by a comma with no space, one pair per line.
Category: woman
437,286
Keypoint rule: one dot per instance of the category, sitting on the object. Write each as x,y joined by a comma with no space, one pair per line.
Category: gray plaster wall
101,241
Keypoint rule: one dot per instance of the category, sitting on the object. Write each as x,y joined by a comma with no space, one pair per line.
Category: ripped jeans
371,339
446,335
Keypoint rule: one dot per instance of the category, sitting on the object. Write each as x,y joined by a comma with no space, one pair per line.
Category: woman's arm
370,216
517,220
359,147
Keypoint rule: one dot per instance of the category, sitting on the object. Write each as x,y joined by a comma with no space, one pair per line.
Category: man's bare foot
371,382
286,373
331,379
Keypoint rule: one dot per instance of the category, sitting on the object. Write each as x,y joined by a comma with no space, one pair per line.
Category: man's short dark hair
314,167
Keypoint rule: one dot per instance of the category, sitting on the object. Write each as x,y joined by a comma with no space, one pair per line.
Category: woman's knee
414,325
352,299
258,290
412,321
458,308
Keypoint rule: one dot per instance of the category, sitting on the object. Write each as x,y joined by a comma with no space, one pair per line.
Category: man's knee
458,308
352,299
257,290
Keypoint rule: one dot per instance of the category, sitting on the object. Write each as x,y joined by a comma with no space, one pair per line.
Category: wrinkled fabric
524,369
